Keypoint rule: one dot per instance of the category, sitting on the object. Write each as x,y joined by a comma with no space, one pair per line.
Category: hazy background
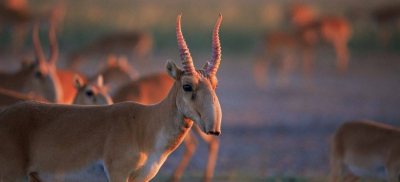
273,134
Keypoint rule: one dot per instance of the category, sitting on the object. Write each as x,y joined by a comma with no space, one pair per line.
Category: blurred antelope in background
282,47
117,73
65,76
366,149
129,141
334,30
278,48
137,44
39,77
388,20
17,14
91,94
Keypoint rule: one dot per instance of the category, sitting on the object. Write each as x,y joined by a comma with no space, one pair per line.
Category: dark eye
187,88
89,93
39,74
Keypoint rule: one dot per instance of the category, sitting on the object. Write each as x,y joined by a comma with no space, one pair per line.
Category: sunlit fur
148,89
366,149
143,91
91,93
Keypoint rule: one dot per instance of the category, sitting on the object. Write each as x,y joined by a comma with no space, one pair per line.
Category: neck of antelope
162,129
174,125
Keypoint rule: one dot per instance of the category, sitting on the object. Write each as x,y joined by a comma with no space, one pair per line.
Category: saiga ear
173,71
78,82
206,65
100,81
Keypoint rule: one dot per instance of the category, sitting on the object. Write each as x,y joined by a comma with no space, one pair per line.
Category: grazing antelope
118,72
335,30
39,77
91,94
366,149
137,44
128,141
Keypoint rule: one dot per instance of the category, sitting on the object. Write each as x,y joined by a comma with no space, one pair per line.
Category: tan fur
27,79
365,147
150,90
116,73
8,97
146,90
132,140
68,87
91,93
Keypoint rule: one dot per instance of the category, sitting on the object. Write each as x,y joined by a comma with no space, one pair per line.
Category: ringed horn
186,58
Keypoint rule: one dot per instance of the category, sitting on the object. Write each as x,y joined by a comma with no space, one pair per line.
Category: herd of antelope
64,125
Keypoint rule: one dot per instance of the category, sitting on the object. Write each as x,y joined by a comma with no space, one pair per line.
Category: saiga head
91,94
196,97
42,77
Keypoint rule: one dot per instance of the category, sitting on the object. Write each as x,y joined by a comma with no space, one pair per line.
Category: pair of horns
186,58
53,43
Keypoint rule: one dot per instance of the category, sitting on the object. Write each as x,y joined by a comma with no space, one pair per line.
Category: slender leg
190,142
393,171
288,66
342,54
213,146
260,71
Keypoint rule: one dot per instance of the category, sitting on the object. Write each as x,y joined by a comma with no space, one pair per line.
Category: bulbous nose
216,133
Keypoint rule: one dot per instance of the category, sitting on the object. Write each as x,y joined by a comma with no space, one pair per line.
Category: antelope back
117,72
149,89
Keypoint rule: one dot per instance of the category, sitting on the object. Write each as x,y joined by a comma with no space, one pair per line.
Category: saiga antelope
142,91
366,149
64,76
39,77
91,94
118,72
335,30
279,48
131,141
